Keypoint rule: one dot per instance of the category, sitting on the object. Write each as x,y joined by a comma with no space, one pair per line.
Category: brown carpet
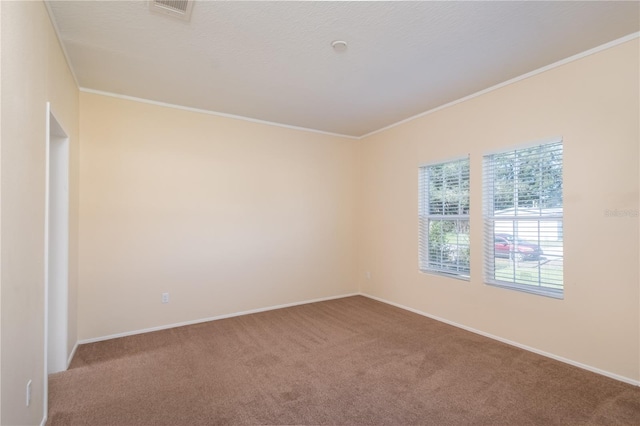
347,361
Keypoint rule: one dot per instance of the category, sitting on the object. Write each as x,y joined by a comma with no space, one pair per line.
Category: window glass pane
448,246
444,218
523,216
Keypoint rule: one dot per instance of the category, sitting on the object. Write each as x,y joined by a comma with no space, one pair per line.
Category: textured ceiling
273,61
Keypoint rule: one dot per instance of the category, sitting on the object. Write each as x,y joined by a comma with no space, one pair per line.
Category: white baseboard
44,420
397,305
509,342
218,317
73,352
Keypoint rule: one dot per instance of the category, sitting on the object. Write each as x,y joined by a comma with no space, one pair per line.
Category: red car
507,246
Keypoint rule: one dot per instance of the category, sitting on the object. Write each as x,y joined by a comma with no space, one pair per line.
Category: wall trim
73,352
390,126
63,47
510,342
214,318
214,113
379,299
509,82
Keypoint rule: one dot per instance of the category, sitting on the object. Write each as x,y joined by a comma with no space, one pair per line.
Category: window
444,218
523,213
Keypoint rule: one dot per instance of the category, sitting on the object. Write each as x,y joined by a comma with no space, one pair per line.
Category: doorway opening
56,247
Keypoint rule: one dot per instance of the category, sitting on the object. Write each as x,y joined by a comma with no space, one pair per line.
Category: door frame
56,250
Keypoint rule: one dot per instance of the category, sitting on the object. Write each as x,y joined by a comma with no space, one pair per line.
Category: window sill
446,274
546,292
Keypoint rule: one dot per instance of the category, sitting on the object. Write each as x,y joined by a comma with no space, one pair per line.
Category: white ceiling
273,61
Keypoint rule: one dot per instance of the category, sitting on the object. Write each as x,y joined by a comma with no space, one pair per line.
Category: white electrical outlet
367,275
165,297
28,393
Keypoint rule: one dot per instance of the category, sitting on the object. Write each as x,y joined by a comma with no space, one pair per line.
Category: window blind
523,219
444,218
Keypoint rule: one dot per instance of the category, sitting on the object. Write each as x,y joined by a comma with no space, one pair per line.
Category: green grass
452,238
548,275
545,243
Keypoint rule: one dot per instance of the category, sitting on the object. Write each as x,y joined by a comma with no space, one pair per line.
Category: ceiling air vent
176,8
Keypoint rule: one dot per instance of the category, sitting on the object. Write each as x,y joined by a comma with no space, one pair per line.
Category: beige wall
225,215
593,104
217,212
229,216
34,71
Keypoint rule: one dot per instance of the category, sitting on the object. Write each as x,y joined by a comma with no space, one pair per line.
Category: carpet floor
351,361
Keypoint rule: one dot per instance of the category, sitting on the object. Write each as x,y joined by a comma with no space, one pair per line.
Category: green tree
449,189
448,201
528,178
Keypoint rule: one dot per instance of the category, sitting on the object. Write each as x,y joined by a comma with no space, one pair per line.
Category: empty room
319,212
